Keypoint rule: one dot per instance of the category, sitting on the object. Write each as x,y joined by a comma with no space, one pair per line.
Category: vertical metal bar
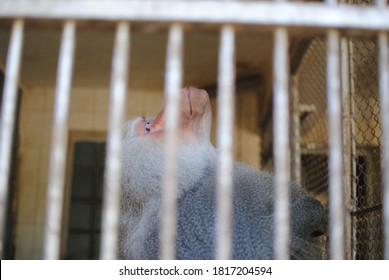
281,149
111,202
383,44
347,139
336,213
225,128
296,138
353,197
7,120
173,84
347,89
59,143
336,196
383,65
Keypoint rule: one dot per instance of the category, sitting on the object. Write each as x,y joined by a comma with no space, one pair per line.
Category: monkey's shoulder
260,183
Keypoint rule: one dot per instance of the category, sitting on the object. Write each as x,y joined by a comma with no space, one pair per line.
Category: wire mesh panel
367,155
365,191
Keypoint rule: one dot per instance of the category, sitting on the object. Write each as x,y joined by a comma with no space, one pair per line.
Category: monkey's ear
143,115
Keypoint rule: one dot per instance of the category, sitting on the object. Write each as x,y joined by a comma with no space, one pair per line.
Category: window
83,236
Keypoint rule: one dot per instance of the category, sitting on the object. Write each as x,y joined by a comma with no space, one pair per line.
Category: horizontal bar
313,15
7,119
367,210
173,84
59,140
112,187
225,132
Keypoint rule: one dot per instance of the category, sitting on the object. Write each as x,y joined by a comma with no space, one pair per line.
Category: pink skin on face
195,117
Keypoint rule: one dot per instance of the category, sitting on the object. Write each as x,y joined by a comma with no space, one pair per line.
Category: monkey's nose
318,232
309,218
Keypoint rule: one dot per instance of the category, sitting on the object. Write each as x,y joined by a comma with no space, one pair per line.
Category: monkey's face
143,146
194,118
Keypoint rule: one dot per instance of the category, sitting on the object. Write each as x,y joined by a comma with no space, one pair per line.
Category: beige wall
88,113
35,123
246,129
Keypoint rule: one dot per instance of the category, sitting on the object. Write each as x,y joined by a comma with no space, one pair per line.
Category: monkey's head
194,123
143,156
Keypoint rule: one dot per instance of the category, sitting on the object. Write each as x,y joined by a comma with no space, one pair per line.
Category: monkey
253,190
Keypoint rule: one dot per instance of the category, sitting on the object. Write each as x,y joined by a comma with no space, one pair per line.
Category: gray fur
253,206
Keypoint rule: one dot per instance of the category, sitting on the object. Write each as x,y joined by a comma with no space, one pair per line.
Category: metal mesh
367,154
365,188
311,75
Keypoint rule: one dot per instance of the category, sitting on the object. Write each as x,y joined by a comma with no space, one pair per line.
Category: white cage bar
225,121
335,143
173,84
56,180
282,17
281,149
112,188
335,162
8,118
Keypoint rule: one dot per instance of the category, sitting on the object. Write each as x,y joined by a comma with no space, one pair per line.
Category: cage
304,86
